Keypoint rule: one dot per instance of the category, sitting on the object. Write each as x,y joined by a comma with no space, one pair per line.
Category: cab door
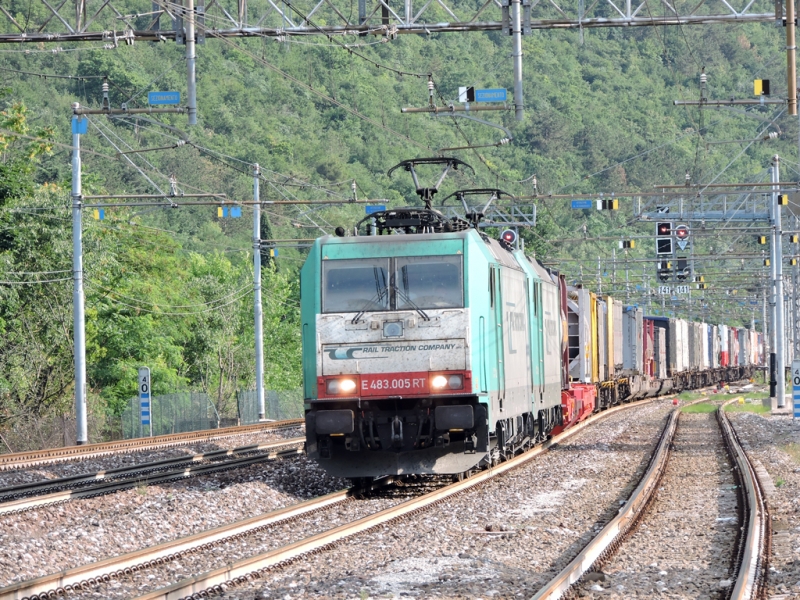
497,326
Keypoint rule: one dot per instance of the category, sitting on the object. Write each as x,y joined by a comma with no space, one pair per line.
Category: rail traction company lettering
376,349
345,353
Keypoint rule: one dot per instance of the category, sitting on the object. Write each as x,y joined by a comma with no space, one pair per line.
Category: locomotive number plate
394,384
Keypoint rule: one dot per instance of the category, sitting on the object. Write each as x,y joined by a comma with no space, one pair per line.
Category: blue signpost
145,410
582,204
493,95
164,97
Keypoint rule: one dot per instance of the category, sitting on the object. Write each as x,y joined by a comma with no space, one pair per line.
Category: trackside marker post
145,407
796,388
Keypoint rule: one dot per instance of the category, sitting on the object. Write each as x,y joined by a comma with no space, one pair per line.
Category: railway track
86,578
750,557
20,460
34,495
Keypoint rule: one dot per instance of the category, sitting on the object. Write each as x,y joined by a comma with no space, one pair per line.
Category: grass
793,450
757,408
689,396
702,407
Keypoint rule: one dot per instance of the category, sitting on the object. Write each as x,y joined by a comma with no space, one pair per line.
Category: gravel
52,538
684,545
774,441
113,461
503,539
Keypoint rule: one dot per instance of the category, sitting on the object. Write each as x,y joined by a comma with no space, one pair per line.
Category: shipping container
602,340
632,354
618,338
705,333
579,334
724,351
648,347
660,337
744,343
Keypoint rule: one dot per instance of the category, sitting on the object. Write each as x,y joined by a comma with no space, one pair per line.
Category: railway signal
664,246
682,235
509,236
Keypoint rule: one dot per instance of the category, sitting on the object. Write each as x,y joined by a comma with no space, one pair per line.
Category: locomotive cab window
428,282
355,285
424,282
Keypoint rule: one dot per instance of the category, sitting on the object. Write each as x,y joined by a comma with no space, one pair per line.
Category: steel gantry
103,21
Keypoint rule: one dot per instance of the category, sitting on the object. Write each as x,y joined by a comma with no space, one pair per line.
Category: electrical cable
173,314
52,76
248,286
135,166
311,89
35,282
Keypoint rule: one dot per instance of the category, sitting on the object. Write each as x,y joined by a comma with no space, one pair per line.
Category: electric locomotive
427,346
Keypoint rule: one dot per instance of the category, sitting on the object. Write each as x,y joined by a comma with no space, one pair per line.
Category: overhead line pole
516,34
191,75
791,66
78,317
257,310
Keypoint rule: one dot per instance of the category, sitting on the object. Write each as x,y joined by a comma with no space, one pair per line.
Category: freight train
431,348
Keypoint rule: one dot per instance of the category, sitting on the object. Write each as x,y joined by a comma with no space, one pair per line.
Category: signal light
762,239
663,228
509,236
681,232
761,87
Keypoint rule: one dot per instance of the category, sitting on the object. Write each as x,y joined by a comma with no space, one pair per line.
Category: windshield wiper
381,292
405,298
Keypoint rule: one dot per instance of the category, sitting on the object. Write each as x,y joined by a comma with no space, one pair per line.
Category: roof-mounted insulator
106,102
430,90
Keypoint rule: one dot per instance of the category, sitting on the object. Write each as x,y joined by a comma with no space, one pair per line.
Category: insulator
504,141
772,135
703,78
430,85
105,87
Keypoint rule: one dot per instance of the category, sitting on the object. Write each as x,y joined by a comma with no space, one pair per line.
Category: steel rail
611,536
86,576
754,558
243,570
19,460
108,487
615,529
40,487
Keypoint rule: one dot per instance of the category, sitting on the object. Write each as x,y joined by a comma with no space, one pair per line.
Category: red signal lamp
509,236
681,232
663,228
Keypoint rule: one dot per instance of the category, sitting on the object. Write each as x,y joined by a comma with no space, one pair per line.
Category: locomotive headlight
340,386
439,381
451,382
455,382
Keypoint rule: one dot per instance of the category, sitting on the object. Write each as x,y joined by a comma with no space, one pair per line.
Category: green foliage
162,284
